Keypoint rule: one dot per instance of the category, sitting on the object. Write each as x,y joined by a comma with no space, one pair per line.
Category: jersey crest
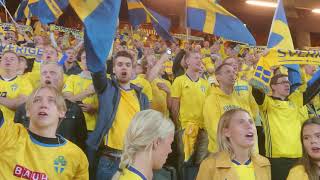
60,164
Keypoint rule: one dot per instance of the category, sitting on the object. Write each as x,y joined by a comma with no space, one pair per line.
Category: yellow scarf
276,57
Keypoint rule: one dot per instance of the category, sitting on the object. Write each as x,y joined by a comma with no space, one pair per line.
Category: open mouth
249,135
315,149
42,114
48,82
124,73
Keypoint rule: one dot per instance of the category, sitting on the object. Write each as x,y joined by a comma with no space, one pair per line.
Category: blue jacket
108,91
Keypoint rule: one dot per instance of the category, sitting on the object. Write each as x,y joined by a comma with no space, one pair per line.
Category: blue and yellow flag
47,10
280,38
139,14
210,17
22,11
100,18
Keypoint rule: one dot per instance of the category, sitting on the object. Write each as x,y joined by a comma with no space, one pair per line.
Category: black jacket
73,127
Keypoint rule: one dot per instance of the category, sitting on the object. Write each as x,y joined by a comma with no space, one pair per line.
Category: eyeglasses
284,82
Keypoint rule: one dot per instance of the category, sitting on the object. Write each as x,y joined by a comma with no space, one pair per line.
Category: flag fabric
210,17
139,14
100,18
48,10
278,57
22,11
280,38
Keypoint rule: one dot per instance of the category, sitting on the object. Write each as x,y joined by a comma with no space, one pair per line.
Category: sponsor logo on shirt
241,88
60,164
25,173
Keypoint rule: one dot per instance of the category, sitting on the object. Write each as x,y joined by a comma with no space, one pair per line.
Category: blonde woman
235,159
308,167
146,147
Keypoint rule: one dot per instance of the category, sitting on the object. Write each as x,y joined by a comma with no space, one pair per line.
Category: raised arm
258,95
312,89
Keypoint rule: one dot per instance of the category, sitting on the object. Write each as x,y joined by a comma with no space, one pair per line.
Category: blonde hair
224,143
60,102
146,127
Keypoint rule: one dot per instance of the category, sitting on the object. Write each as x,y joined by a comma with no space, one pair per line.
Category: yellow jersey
205,51
76,84
168,67
282,121
159,99
131,173
191,94
33,77
244,171
218,103
144,84
208,64
11,89
127,108
25,156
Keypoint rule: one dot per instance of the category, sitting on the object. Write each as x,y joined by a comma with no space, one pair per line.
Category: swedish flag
22,11
139,14
100,18
210,17
280,38
48,10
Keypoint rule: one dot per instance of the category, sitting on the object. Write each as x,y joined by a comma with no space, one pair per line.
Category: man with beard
119,101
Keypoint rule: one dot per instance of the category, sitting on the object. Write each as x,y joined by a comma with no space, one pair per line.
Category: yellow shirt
298,172
12,89
205,51
36,66
208,63
76,84
159,99
282,123
168,67
131,173
217,103
144,84
191,94
33,77
128,107
244,171
24,157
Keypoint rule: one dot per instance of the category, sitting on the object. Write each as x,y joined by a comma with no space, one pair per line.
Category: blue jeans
106,168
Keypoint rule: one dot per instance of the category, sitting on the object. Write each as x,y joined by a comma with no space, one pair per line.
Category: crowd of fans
219,125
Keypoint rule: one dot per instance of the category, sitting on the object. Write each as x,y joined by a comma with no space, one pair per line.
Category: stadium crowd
61,121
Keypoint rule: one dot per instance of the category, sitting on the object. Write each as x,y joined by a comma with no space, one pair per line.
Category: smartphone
169,52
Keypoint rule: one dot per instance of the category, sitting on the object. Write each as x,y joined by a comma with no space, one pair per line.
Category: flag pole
185,20
7,12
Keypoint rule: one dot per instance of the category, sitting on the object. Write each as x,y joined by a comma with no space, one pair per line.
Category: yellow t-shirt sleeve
26,87
82,171
69,85
176,88
297,98
9,133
